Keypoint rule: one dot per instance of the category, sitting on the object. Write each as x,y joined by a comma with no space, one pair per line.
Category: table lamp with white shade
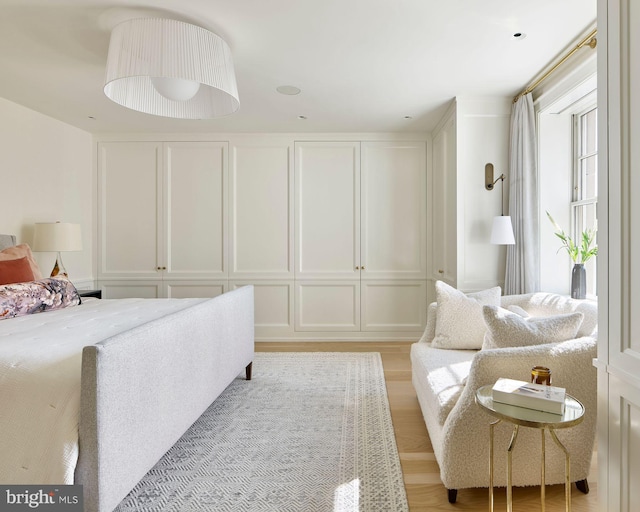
57,237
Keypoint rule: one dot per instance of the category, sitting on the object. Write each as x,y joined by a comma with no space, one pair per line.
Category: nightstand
90,293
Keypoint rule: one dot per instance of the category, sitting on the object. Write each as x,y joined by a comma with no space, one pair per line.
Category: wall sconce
502,229
489,182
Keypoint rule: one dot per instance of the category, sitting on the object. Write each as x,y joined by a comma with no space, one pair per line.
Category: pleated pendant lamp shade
170,68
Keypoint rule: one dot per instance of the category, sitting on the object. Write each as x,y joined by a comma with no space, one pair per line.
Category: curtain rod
590,41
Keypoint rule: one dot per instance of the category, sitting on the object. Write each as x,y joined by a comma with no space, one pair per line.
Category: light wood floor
425,492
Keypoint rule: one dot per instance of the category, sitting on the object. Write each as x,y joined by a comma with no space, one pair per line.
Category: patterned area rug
310,432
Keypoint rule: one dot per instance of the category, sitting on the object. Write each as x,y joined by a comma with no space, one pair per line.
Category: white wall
46,175
473,132
483,137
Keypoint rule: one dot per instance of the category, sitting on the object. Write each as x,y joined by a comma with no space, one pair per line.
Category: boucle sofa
446,379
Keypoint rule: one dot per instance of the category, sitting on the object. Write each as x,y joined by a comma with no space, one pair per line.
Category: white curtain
523,265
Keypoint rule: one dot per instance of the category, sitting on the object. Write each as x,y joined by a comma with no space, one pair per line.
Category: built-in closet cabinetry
162,223
444,217
261,248
331,234
473,132
360,218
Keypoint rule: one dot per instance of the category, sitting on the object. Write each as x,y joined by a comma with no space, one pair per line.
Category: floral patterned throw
19,299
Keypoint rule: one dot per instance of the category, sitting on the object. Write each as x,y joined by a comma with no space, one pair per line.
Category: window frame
580,204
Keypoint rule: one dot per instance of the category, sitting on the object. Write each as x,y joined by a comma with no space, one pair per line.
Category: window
567,171
585,182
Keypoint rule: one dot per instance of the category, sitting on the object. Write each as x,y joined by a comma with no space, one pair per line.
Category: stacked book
532,396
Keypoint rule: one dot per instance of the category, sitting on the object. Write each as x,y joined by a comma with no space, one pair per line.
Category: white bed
96,393
40,370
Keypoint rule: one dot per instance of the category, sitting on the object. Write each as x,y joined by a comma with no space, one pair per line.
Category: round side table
521,416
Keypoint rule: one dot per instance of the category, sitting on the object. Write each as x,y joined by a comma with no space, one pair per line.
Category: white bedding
40,361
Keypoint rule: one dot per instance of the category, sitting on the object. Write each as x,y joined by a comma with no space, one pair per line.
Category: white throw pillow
459,320
518,311
507,329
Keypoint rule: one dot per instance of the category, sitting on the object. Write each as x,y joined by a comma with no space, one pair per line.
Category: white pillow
459,320
518,311
507,329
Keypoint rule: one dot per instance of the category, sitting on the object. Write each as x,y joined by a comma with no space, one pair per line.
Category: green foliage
579,253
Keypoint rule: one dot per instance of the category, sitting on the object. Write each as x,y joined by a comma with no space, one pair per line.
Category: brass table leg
509,480
567,470
542,477
491,427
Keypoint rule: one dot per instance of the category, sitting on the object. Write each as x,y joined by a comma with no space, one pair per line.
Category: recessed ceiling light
91,117
408,117
289,90
302,117
519,35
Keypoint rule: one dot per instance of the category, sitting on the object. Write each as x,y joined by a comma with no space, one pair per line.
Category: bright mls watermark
49,498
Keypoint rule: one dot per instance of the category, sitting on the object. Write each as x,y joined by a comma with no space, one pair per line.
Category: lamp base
58,268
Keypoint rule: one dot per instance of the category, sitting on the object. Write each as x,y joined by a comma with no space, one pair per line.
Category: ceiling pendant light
176,89
170,68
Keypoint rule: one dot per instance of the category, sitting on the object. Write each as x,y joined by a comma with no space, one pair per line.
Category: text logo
47,498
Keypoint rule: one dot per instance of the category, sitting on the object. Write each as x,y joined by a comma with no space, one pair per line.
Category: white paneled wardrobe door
394,210
129,209
204,289
261,234
273,307
127,288
195,198
261,202
393,305
444,203
326,305
327,210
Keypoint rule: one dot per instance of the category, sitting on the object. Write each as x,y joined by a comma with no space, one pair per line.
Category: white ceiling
362,65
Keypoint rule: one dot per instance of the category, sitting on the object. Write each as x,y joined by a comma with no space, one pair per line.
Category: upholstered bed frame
143,388
7,241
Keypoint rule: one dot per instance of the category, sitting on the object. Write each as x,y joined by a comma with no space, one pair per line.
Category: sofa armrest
516,362
430,329
466,428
